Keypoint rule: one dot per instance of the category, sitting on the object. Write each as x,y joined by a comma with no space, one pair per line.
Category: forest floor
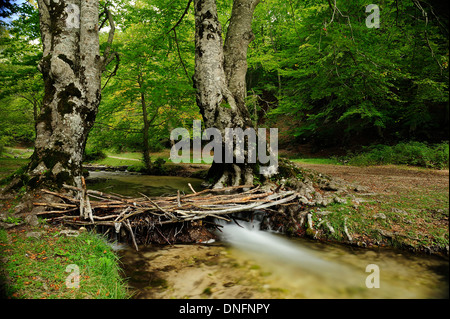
406,207
387,179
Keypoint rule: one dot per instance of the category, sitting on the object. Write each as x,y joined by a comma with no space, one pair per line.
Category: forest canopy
315,70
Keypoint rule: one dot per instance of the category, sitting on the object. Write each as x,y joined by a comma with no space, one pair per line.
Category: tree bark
71,66
219,78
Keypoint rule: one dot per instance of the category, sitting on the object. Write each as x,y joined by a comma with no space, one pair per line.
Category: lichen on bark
219,79
71,68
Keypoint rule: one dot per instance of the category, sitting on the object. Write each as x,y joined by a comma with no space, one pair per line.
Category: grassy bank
34,267
9,165
416,221
33,259
405,207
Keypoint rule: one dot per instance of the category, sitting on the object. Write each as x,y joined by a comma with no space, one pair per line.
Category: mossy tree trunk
71,66
220,71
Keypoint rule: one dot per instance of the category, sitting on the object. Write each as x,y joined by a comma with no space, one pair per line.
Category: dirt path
387,179
124,158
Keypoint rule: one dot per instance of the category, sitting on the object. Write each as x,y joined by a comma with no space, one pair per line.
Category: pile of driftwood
89,207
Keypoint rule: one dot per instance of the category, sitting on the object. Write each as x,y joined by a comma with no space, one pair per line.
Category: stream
249,263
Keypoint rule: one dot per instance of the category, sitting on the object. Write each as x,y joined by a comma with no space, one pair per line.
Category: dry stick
346,230
128,225
256,205
80,222
192,189
157,206
98,193
250,198
98,197
111,206
51,212
85,205
57,205
122,213
163,236
104,217
212,190
278,202
178,198
61,196
82,193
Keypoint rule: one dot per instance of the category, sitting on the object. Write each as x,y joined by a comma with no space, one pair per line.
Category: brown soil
387,179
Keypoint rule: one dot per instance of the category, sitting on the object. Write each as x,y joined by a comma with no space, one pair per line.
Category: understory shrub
93,154
407,153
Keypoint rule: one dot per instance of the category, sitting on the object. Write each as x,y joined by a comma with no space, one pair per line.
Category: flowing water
324,270
249,263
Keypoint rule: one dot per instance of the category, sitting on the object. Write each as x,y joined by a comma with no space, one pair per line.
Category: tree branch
107,56
179,55
184,13
113,56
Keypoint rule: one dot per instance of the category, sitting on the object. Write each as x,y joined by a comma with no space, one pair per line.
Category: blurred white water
324,270
247,237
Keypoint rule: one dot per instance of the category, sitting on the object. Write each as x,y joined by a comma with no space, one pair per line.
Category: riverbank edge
363,239
53,262
319,235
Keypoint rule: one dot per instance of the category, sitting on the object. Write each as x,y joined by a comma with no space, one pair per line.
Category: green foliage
93,154
408,153
334,79
150,72
22,86
3,141
314,69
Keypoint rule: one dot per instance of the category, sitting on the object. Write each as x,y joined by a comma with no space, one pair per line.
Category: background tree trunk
220,78
145,142
71,66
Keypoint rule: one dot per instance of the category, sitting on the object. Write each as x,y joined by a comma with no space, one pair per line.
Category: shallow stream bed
248,263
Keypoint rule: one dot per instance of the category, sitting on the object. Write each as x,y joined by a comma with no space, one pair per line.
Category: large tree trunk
71,68
220,79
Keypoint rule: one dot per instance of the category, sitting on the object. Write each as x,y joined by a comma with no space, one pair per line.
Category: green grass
416,218
11,152
9,165
134,158
36,268
326,161
408,153
118,162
